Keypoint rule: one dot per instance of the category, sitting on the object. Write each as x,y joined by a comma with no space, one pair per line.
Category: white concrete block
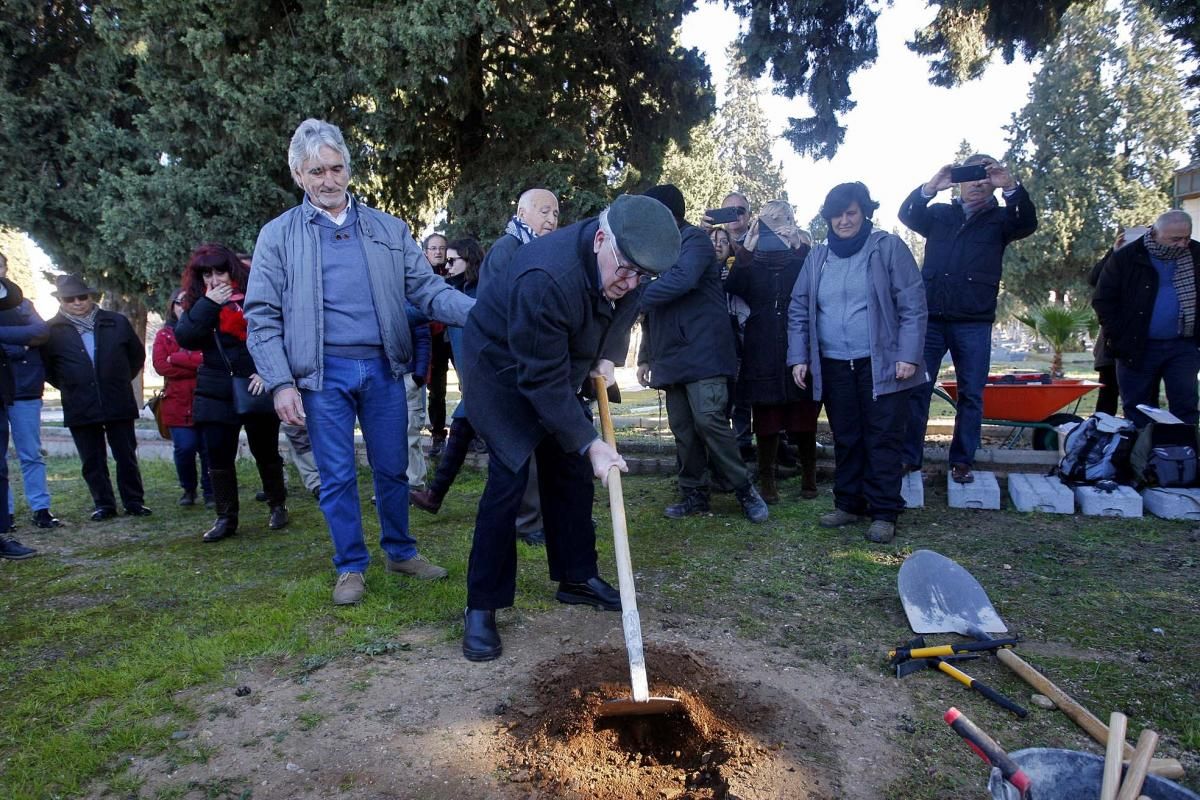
912,489
1040,493
1093,502
1173,503
983,492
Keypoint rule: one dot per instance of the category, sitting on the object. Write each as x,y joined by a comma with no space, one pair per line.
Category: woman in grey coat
856,330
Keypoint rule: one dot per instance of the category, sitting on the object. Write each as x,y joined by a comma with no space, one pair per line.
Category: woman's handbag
243,401
155,405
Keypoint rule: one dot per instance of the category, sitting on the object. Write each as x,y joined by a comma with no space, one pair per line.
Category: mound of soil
712,748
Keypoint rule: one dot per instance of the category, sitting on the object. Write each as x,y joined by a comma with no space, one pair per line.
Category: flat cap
646,232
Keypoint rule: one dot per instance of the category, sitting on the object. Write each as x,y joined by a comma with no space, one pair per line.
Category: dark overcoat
97,392
765,282
687,336
538,327
213,401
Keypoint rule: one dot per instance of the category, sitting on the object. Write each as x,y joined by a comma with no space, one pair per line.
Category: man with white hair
330,337
1146,301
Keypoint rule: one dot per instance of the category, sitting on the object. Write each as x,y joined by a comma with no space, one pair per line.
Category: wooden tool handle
1112,756
630,620
1166,767
1135,776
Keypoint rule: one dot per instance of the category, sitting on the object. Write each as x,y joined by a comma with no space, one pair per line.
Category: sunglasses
77,298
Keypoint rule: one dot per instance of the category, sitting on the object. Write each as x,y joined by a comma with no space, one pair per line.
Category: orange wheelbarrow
1026,401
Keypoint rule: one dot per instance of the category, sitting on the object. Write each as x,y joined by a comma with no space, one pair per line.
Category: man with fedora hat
92,358
560,311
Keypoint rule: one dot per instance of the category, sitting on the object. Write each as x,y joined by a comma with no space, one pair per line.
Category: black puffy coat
213,401
687,333
765,281
94,392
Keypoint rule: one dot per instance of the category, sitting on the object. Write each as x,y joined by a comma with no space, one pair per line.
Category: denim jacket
284,298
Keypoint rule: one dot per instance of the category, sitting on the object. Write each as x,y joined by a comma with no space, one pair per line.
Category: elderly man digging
559,311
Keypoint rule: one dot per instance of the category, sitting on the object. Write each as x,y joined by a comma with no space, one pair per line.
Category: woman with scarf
856,333
214,284
92,357
764,272
178,368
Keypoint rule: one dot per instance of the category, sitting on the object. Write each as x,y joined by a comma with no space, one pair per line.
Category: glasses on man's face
78,298
625,271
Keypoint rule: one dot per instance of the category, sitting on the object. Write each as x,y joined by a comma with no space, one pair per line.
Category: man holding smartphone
964,254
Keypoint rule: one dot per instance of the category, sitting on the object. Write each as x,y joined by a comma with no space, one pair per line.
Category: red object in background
1026,399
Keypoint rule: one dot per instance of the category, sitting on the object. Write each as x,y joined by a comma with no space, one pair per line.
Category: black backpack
1164,455
1098,449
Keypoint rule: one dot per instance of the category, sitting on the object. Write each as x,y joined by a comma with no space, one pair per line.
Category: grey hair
736,193
310,137
979,158
608,233
1173,217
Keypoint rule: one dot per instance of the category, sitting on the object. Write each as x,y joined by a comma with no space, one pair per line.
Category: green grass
102,635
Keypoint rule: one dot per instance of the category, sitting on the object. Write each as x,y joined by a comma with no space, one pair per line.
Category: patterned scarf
1184,281
86,323
523,233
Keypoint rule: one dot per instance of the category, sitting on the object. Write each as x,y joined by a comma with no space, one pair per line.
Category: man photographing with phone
964,255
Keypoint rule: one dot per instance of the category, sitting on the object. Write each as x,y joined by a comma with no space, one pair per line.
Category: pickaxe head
921,664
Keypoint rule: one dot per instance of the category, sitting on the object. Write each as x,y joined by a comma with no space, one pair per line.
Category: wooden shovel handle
606,424
1165,767
1112,756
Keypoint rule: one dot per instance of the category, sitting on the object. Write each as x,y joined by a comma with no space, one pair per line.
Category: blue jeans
970,347
1173,361
25,423
188,444
366,390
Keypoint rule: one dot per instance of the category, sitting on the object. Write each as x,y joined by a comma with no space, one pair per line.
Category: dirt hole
714,749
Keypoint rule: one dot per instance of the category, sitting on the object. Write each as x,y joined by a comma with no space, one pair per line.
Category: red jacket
178,367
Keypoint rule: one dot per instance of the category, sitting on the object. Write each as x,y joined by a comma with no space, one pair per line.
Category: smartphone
975,172
719,216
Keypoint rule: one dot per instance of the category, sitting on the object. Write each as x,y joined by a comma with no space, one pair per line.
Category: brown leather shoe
417,567
961,473
349,589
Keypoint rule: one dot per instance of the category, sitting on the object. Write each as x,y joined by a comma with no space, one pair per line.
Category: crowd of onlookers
340,321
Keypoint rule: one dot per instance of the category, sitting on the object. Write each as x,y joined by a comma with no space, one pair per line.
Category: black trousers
262,434
439,364
868,439
565,484
89,441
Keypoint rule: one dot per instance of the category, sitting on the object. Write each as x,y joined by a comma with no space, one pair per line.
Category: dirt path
418,721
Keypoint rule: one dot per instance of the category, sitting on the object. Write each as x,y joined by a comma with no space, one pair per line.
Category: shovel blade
939,596
640,708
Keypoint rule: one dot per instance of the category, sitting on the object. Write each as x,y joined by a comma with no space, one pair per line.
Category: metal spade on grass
642,703
939,596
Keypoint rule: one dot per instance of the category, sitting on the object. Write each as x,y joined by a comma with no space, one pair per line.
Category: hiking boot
425,500
752,504
187,499
881,531
417,567
13,550
961,473
349,589
44,519
838,518
694,502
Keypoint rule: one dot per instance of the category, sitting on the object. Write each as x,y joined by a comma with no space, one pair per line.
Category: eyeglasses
78,298
628,270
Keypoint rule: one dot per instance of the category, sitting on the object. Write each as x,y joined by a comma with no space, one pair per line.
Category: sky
903,128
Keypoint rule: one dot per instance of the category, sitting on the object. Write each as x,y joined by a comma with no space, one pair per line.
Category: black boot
454,453
767,451
276,491
225,496
695,501
481,640
807,444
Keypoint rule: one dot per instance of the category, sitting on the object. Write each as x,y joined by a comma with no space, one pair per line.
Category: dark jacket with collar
213,400
22,330
687,336
964,257
537,329
11,299
765,282
1124,298
97,392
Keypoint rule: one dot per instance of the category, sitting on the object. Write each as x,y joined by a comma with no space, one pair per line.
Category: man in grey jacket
331,352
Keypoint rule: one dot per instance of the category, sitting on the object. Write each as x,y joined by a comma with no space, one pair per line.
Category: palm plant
1060,326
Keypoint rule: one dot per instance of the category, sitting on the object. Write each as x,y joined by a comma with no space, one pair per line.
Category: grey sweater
842,329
